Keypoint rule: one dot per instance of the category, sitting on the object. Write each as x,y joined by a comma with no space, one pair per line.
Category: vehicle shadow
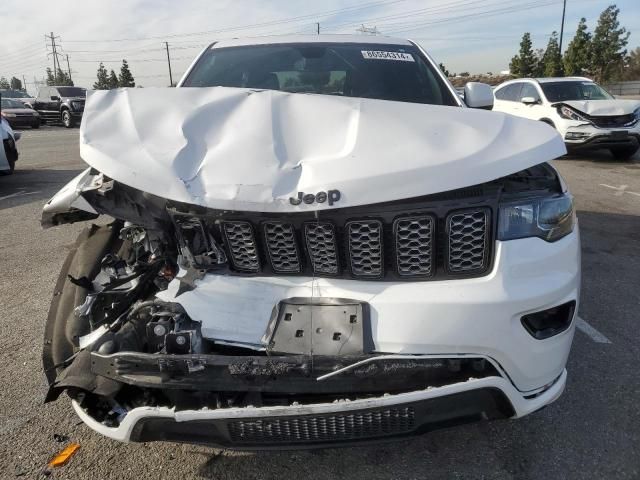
31,185
602,157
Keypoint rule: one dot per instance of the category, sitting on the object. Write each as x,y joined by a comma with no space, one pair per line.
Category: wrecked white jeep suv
318,244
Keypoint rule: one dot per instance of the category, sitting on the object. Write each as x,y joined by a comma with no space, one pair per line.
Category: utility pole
169,63
24,83
69,68
564,7
56,64
318,28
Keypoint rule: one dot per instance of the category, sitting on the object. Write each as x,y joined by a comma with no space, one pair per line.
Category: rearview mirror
528,100
478,95
54,98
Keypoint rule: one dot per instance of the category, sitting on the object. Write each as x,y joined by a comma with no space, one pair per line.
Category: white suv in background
585,114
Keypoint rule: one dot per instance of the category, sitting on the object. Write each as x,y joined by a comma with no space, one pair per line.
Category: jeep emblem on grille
332,196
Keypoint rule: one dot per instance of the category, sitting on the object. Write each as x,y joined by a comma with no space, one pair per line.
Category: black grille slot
242,246
365,247
468,239
321,245
319,428
414,238
614,121
282,247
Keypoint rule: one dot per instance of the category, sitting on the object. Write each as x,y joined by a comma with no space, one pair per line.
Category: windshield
578,90
13,94
386,72
7,103
72,91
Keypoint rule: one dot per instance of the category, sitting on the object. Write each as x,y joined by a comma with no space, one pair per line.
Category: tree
576,58
552,59
523,64
112,81
4,84
607,45
444,69
50,79
126,78
103,79
632,66
538,67
16,83
62,78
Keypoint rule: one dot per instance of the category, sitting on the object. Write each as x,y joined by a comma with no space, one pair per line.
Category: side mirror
478,95
55,98
529,100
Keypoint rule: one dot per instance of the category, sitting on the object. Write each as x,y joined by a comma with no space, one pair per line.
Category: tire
67,119
36,124
12,155
624,153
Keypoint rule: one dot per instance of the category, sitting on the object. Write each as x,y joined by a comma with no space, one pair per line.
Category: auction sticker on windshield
380,55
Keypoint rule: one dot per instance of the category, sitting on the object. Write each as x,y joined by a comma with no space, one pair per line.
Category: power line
254,25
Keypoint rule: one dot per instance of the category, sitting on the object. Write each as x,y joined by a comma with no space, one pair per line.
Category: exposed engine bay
119,337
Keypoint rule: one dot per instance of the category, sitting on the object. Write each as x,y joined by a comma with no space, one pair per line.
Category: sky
477,36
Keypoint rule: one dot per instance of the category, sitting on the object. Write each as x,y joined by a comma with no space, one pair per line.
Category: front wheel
36,124
67,119
624,153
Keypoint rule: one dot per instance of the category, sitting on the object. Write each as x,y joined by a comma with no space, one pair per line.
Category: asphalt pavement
592,431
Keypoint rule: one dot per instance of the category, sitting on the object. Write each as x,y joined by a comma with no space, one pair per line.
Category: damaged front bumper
381,417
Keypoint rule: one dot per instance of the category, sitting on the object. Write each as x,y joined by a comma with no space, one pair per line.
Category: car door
507,99
534,111
43,102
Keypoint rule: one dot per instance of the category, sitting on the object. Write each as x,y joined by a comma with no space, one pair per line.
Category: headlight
8,115
547,218
570,114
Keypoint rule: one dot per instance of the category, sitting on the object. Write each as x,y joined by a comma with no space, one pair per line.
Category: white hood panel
240,149
603,108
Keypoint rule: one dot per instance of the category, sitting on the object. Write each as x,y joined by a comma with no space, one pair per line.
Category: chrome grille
319,428
242,245
321,244
414,245
365,247
282,247
467,241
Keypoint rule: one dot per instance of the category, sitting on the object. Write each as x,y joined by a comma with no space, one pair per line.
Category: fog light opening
549,322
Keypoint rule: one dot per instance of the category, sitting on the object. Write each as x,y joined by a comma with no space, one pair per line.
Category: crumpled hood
597,108
241,149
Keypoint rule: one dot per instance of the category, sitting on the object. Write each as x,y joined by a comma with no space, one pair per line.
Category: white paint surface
240,149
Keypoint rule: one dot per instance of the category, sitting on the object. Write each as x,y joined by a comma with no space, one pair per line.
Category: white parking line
594,334
621,190
17,194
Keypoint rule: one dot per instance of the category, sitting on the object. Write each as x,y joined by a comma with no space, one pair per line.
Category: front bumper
475,316
578,135
23,121
373,419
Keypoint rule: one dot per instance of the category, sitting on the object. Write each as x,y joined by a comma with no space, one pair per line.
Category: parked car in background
61,104
314,242
585,114
18,95
18,114
9,150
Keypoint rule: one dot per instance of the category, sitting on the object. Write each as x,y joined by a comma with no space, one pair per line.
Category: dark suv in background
60,104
